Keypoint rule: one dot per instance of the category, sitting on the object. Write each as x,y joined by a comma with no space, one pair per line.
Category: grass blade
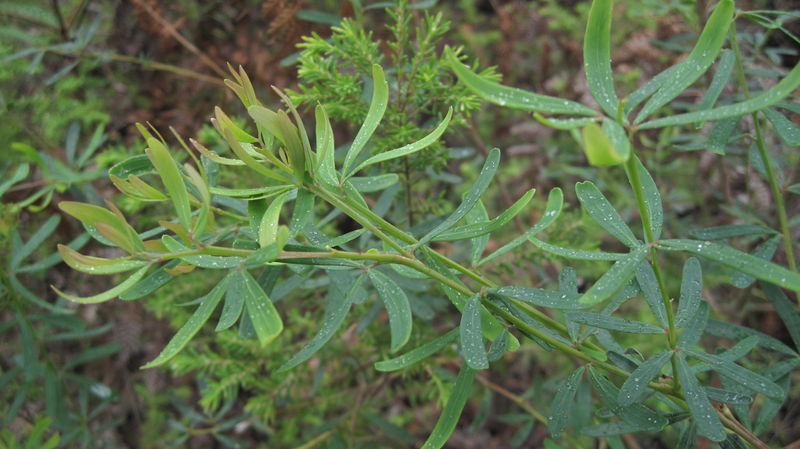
473,347
193,325
699,60
597,56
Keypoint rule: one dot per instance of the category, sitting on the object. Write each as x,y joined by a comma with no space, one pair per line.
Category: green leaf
733,258
265,319
268,227
578,254
699,60
478,244
564,124
339,299
721,133
603,321
452,410
472,346
377,107
640,378
417,354
764,251
44,231
636,415
736,332
691,291
616,277
20,173
202,261
516,98
768,98
173,180
722,74
787,130
405,150
728,397
476,191
729,231
555,203
374,183
604,214
155,280
302,213
652,199
542,298
600,147
649,88
487,227
250,194
397,307
108,294
193,325
740,375
708,423
232,307
785,309
688,437
93,216
695,327
646,278
97,265
561,407
326,171
597,56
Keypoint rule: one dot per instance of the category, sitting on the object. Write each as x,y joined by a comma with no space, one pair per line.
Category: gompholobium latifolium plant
247,236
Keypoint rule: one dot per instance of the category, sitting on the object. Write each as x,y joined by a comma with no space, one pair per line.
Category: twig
181,40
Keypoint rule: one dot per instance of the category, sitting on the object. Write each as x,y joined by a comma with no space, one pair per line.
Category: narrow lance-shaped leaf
725,66
473,347
326,170
611,323
733,258
339,299
652,199
543,298
92,215
785,309
405,150
20,173
232,307
472,197
599,147
639,95
578,254
268,228
265,319
418,354
720,134
699,60
173,180
108,294
516,98
486,227
740,375
708,423
695,327
604,214
637,382
597,56
636,416
397,307
193,325
452,410
616,277
561,407
768,98
646,278
374,183
478,244
377,107
691,291
97,265
729,231
555,202
788,131
44,231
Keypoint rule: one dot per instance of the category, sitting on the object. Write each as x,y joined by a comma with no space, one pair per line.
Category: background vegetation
75,75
